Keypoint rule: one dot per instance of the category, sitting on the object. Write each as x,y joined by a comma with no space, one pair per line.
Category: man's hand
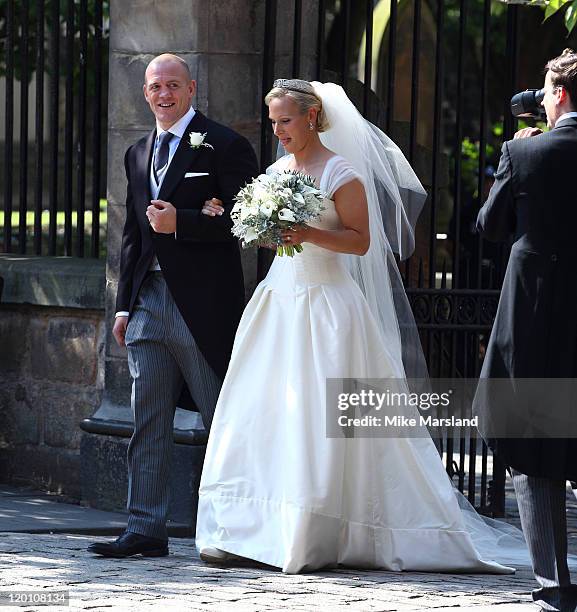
162,217
212,208
528,132
119,330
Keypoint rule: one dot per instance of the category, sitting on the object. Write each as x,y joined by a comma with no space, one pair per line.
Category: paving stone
183,582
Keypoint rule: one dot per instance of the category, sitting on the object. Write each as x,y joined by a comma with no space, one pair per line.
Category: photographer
534,201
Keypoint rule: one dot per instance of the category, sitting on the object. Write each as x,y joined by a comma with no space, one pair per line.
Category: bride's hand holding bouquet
271,211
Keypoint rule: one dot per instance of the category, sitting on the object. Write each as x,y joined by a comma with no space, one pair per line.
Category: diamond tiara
293,84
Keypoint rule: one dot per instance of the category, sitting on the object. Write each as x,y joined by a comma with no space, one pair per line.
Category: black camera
528,104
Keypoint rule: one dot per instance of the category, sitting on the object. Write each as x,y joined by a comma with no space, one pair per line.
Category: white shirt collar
569,115
180,126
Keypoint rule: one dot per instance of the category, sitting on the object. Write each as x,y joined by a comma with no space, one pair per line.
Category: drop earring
311,126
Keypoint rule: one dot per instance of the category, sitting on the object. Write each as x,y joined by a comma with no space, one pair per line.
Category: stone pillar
221,41
285,39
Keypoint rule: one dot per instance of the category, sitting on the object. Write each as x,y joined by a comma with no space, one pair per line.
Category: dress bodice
315,265
336,173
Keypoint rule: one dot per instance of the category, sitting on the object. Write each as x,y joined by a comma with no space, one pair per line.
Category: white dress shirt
177,130
566,116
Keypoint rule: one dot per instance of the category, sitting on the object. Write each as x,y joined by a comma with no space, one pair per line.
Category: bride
275,488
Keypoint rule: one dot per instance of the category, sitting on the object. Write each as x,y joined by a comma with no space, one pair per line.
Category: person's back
544,185
538,209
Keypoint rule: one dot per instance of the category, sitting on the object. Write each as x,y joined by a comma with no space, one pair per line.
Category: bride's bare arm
351,205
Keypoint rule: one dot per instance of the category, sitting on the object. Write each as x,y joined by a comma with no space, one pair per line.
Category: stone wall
51,351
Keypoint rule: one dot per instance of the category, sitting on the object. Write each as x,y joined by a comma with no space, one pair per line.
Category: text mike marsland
404,421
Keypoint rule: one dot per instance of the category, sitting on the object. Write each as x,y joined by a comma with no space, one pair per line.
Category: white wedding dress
274,487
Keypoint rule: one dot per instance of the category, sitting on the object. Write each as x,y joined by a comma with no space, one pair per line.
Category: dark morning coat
201,264
534,200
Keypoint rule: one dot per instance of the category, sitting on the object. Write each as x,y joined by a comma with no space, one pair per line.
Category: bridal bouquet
272,203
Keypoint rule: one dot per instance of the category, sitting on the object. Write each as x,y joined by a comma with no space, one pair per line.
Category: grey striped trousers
542,509
162,354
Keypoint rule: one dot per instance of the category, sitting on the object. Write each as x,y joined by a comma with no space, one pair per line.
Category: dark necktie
162,153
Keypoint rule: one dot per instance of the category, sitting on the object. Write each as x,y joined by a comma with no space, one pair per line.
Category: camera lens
528,103
539,95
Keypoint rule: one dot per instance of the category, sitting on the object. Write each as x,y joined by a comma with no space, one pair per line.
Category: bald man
180,289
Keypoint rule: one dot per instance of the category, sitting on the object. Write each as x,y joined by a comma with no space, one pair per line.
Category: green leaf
550,11
553,6
558,3
571,17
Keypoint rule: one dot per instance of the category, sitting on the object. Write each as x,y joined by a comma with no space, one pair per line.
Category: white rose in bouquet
267,208
250,235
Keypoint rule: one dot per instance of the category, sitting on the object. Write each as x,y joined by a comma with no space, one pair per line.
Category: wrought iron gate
420,70
53,66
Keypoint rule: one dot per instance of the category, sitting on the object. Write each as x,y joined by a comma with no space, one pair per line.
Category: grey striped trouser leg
542,509
161,355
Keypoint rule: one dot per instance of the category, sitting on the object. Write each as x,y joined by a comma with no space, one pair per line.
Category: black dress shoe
130,544
558,599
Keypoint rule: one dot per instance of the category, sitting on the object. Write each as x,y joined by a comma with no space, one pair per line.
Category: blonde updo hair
303,93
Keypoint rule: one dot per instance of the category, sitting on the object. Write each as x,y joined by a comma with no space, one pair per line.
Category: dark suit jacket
534,201
201,264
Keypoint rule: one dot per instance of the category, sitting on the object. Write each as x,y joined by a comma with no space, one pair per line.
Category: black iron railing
53,166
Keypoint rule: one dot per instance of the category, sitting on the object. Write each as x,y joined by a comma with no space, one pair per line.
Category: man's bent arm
236,167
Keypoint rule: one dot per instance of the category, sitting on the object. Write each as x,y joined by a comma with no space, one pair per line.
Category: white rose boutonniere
196,140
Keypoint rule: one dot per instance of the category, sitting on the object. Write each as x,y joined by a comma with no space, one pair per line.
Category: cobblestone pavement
182,582
60,561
